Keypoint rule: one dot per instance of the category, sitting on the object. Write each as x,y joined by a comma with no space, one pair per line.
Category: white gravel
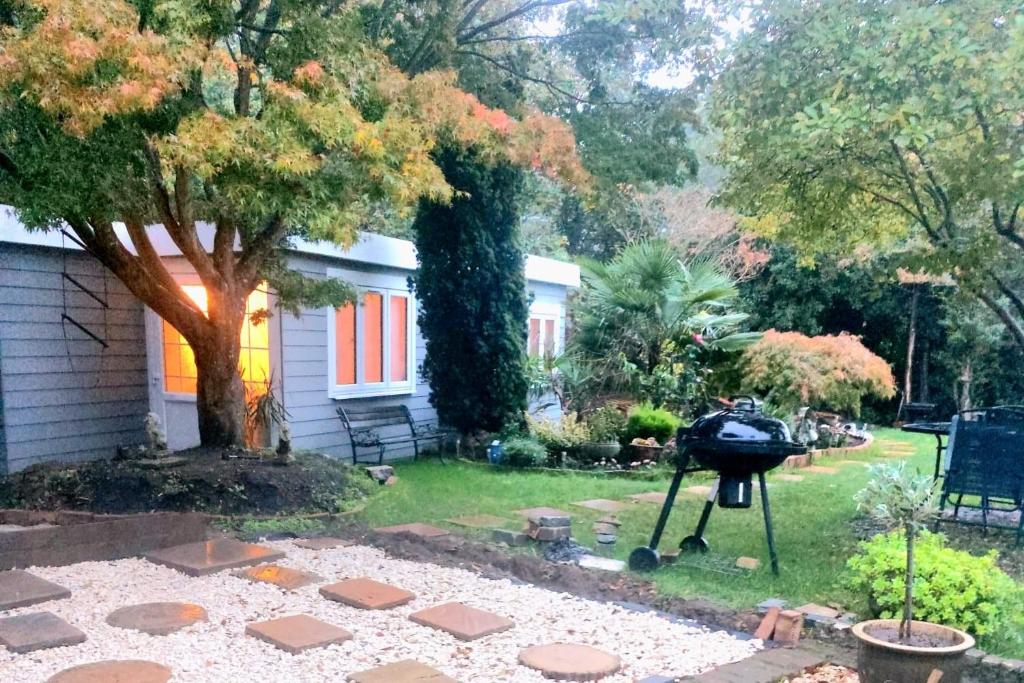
218,651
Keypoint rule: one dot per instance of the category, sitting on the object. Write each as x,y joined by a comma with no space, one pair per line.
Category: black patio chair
986,461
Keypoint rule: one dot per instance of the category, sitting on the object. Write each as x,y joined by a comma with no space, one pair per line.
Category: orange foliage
828,371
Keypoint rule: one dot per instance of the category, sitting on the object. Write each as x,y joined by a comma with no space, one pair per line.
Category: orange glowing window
534,339
373,337
549,337
399,339
345,344
253,363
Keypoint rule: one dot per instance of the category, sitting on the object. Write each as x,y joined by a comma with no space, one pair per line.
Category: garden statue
155,435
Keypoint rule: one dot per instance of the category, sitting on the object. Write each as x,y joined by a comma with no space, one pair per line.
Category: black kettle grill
737,443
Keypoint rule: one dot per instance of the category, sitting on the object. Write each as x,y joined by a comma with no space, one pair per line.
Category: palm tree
647,303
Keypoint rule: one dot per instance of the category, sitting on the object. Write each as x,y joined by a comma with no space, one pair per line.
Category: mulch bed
205,482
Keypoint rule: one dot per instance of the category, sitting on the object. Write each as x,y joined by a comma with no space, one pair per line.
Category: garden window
253,363
372,345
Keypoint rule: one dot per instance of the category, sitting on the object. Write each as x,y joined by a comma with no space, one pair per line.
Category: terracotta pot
879,661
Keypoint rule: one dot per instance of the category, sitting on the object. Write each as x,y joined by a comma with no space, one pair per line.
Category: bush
646,421
565,435
524,451
951,587
606,424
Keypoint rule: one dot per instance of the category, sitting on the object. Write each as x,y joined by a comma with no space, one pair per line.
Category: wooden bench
363,425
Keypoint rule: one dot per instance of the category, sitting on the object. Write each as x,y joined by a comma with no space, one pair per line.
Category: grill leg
768,524
666,508
709,505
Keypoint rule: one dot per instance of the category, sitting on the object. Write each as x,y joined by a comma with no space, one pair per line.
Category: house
82,361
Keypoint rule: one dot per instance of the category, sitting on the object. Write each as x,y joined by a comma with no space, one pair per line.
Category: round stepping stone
114,671
568,662
157,618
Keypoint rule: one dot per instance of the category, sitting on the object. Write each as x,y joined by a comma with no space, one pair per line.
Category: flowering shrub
565,435
951,587
834,372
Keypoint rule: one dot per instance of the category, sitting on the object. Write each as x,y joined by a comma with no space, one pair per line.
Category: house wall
66,398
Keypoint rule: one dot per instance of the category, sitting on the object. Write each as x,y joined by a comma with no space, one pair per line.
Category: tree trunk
908,593
908,374
966,377
220,394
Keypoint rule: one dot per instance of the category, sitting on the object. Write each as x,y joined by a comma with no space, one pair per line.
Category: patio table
938,430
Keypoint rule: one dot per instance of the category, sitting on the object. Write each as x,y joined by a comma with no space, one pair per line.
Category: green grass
811,519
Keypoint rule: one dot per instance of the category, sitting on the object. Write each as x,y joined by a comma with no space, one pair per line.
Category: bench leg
380,455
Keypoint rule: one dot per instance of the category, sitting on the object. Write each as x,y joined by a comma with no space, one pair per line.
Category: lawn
812,520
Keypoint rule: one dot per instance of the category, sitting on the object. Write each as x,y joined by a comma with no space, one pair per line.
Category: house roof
371,248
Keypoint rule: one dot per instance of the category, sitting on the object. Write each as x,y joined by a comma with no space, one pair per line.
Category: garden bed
203,481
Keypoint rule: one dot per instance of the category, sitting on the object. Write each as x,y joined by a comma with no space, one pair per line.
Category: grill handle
750,400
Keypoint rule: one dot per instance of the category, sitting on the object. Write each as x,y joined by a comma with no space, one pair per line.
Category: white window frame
388,287
544,311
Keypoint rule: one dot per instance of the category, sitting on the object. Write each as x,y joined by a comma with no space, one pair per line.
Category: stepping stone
283,577
37,631
21,589
603,563
405,671
157,618
322,543
297,633
462,621
535,515
601,505
789,477
208,557
366,594
656,497
566,662
820,469
698,490
416,529
479,521
114,671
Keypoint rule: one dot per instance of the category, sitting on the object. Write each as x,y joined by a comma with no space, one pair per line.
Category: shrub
565,435
606,424
834,372
951,587
646,421
524,451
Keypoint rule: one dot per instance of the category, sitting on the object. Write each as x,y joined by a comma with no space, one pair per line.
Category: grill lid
740,439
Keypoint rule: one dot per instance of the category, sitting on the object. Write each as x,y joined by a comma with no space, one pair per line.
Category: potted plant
604,427
903,649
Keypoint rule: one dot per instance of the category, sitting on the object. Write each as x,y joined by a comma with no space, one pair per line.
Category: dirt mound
205,482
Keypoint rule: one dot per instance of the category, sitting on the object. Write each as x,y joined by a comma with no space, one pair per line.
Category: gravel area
218,651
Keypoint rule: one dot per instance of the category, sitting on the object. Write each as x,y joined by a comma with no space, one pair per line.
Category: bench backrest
371,417
986,454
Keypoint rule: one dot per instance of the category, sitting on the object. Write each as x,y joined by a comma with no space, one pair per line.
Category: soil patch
204,482
891,635
492,562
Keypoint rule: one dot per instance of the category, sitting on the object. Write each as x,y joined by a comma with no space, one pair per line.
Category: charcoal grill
737,443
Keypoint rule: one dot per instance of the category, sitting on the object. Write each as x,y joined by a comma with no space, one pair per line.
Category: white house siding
68,399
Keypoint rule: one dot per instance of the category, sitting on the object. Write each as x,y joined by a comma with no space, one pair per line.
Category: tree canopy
264,120
891,125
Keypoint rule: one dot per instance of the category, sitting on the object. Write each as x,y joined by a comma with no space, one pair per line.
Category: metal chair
985,458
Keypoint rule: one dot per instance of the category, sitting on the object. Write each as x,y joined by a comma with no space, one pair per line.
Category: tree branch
257,250
150,258
1012,325
463,35
912,187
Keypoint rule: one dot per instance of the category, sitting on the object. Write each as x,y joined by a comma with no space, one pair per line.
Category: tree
894,124
260,119
645,319
472,290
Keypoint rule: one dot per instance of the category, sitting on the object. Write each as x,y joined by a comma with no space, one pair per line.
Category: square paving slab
405,671
366,594
462,621
297,633
479,521
283,577
37,631
209,557
656,497
322,543
601,505
416,529
20,589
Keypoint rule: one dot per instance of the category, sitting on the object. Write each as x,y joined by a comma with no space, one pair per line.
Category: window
544,338
372,345
253,364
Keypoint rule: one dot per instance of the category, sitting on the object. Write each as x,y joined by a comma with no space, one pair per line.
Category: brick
548,533
750,563
546,516
765,605
767,627
788,627
512,538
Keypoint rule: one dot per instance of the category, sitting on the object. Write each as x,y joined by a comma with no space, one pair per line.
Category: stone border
86,537
795,462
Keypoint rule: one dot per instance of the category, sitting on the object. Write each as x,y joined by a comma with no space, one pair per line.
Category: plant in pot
648,429
903,649
604,428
